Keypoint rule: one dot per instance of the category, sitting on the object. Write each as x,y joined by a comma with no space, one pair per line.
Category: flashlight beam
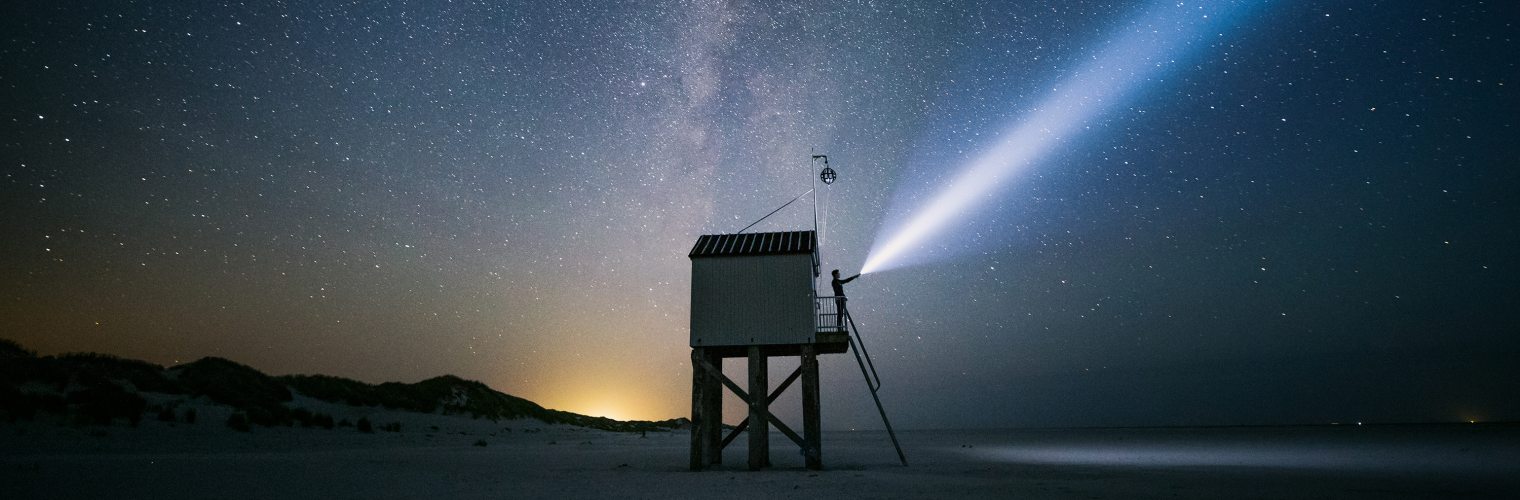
1155,40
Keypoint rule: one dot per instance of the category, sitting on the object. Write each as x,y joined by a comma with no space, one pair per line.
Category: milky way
1307,218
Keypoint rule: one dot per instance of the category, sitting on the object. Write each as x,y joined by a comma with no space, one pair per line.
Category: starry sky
1301,212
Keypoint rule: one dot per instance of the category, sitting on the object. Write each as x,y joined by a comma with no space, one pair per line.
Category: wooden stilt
708,383
713,405
812,426
759,426
699,417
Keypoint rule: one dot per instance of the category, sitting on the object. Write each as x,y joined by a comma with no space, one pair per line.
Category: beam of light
1287,451
1156,39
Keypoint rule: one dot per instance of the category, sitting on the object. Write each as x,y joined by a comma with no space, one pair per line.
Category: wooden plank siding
752,300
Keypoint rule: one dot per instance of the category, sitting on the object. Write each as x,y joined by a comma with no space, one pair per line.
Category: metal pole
813,177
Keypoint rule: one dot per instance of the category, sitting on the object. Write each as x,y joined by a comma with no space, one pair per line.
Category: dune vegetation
101,389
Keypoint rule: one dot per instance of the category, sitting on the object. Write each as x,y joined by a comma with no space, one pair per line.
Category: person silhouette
839,297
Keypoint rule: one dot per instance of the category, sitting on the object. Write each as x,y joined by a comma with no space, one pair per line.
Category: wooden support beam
759,429
726,381
714,401
758,413
769,418
775,394
781,426
812,425
699,418
736,432
784,384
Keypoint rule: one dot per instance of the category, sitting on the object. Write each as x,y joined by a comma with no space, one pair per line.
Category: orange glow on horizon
1472,415
601,404
602,391
605,411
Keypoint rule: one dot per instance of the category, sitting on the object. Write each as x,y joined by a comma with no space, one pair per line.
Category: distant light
1266,449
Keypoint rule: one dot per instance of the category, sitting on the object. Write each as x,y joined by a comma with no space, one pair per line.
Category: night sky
1292,212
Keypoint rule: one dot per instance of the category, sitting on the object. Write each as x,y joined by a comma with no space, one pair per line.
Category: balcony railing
830,315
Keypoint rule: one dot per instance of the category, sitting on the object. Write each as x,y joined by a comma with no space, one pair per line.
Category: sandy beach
520,249
438,456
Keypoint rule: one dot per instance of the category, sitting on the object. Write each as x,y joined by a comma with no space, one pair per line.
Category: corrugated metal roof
712,245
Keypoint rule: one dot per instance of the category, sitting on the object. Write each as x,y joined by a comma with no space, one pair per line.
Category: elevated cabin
753,296
758,289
